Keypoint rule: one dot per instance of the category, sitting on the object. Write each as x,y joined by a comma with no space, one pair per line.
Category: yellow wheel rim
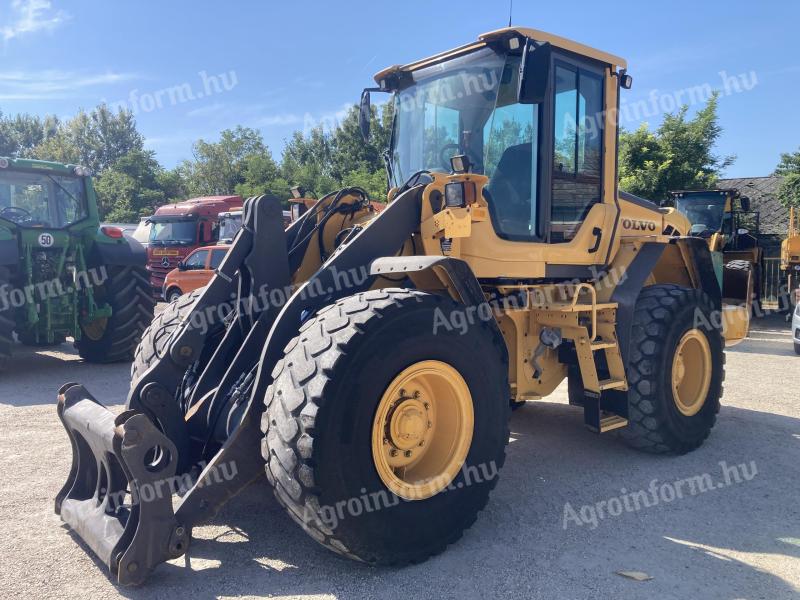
96,329
422,430
691,372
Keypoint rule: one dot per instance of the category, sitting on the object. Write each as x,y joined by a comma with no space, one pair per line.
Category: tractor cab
42,199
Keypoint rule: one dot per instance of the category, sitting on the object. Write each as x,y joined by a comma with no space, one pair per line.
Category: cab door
197,273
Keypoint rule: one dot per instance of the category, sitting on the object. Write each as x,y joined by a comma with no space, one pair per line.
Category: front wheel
675,370
383,436
114,339
173,295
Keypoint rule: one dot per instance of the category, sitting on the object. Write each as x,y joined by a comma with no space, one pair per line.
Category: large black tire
663,314
154,340
127,290
319,418
6,322
743,267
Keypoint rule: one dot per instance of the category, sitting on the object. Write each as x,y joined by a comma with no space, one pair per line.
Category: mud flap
118,496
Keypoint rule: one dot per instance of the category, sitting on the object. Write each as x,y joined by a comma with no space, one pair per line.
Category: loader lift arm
118,496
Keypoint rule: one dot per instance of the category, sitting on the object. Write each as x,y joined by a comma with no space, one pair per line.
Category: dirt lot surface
740,540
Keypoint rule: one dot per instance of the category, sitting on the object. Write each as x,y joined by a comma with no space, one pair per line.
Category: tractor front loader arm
125,469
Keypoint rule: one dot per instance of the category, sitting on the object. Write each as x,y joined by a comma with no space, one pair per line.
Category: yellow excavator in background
790,257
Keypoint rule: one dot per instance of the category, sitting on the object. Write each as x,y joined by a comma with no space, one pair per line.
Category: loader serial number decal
636,225
46,240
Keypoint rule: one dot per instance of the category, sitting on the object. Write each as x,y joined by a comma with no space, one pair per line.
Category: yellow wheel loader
723,218
790,257
367,361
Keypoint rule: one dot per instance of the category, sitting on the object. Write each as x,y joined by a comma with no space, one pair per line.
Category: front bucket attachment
118,497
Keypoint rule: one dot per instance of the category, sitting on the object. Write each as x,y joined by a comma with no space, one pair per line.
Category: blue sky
191,69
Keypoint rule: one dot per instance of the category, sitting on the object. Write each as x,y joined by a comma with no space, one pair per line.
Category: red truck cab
178,229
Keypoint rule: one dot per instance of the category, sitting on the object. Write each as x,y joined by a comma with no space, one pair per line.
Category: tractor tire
742,267
6,323
323,421
672,403
154,340
127,290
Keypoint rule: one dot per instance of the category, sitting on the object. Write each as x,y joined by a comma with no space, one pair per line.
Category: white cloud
53,84
280,119
30,16
206,111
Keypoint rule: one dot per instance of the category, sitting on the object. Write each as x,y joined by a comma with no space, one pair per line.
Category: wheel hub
691,372
409,424
422,430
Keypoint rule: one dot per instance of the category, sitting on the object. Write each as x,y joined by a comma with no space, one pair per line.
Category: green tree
219,167
678,155
21,134
324,161
789,163
789,168
131,188
96,139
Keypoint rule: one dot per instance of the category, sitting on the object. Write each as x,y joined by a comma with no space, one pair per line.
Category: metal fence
772,283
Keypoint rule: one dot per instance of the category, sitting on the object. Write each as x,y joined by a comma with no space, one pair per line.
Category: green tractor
61,273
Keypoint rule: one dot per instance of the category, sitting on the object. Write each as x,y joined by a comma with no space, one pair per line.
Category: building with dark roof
763,194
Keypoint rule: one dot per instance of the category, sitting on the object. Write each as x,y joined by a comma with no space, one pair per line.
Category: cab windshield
706,212
174,233
447,111
41,199
229,226
468,106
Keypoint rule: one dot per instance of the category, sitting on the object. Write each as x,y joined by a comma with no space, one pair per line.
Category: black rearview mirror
365,115
534,73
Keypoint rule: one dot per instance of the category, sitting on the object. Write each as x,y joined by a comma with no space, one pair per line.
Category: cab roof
44,165
506,33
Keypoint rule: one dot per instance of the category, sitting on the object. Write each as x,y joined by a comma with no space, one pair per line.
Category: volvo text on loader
370,359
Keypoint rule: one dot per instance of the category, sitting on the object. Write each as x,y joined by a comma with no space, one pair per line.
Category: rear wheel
675,371
114,339
383,437
6,320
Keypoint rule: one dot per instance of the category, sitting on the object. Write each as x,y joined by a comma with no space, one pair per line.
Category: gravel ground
737,541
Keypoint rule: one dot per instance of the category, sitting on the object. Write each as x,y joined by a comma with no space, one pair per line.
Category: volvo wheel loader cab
723,218
370,362
62,274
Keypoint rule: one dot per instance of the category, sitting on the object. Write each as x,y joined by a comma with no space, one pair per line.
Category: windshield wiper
65,190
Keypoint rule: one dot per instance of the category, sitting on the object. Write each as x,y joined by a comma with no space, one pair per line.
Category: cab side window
578,148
